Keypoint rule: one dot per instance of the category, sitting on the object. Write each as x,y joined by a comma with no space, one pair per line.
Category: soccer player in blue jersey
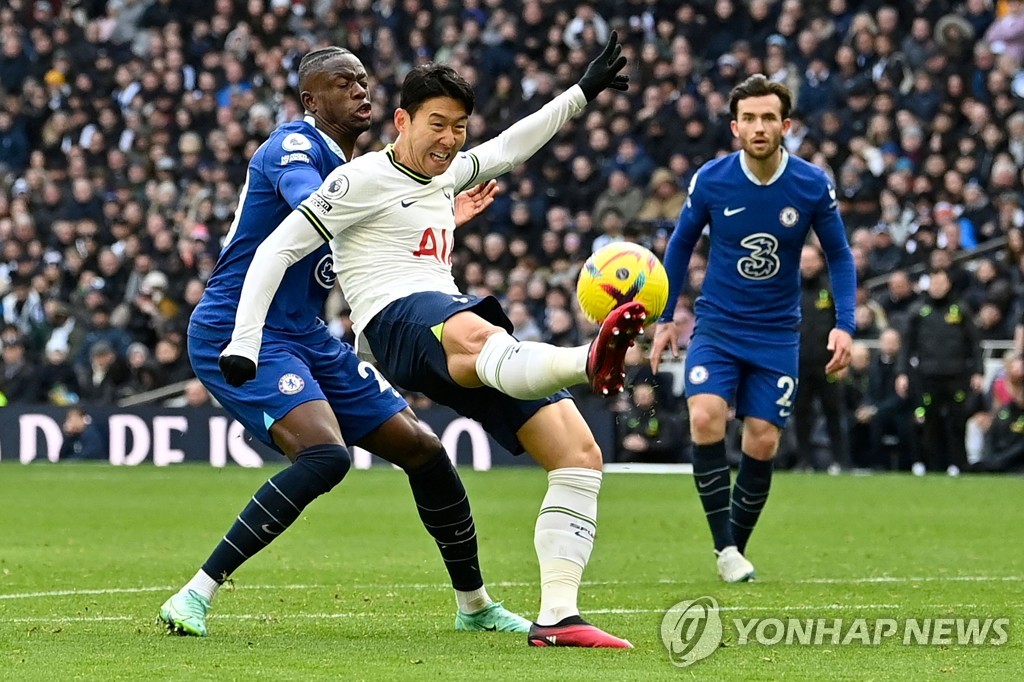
759,205
313,395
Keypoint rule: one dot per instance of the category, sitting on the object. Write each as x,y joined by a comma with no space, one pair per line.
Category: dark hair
940,271
758,85
313,62
435,80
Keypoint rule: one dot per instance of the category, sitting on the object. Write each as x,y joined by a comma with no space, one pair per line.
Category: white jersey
391,229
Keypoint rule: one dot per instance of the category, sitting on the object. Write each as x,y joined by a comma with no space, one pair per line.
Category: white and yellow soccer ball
617,274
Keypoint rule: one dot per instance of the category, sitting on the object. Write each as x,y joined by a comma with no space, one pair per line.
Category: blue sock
443,505
711,474
751,492
276,505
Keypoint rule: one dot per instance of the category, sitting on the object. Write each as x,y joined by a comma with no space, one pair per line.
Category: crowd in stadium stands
126,125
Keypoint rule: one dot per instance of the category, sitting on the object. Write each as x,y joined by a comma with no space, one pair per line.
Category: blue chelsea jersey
757,232
286,169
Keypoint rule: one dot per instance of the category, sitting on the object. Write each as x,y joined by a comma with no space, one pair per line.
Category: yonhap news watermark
694,629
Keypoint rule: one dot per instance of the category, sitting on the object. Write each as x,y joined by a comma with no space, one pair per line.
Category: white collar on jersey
753,178
330,143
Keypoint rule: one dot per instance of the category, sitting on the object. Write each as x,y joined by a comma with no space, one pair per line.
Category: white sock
473,601
528,370
564,539
202,584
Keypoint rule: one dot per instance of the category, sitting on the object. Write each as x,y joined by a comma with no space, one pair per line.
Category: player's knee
423,448
328,463
706,425
587,456
761,444
407,443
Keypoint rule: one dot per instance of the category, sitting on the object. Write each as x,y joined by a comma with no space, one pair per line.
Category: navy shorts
295,370
405,338
758,377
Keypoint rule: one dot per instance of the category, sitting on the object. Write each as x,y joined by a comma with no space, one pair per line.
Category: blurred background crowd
126,126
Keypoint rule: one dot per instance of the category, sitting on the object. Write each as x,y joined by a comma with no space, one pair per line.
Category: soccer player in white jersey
389,218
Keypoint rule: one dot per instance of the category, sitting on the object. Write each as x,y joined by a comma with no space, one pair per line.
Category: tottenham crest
290,384
789,216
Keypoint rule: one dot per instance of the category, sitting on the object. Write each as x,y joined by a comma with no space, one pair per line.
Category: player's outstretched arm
474,201
293,239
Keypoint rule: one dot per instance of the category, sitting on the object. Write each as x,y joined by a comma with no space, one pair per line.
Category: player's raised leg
444,508
560,440
311,438
528,370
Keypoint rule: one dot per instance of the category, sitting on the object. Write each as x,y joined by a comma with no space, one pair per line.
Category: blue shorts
409,353
295,370
758,377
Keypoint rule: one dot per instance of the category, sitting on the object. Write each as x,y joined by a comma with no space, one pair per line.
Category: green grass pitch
356,590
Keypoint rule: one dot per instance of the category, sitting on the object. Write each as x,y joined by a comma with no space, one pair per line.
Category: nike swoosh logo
459,533
747,500
733,211
705,484
266,529
406,203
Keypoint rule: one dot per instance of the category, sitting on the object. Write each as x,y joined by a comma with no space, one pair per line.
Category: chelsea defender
313,395
759,205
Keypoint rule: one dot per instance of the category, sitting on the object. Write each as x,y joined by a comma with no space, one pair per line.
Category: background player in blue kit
313,395
759,203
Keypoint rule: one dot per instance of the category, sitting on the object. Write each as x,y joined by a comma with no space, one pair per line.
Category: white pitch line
790,607
442,586
343,615
213,616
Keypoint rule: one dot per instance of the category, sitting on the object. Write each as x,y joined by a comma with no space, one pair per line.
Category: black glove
236,369
603,72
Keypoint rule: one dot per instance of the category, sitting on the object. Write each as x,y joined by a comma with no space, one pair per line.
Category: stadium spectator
816,389
621,196
646,431
664,200
101,380
941,348
83,438
57,382
18,378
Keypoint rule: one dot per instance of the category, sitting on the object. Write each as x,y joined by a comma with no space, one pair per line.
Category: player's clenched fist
236,369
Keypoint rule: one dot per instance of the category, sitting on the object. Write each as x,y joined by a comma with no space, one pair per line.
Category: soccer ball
617,274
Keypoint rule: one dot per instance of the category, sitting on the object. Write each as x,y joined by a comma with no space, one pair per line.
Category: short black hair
758,85
313,62
435,80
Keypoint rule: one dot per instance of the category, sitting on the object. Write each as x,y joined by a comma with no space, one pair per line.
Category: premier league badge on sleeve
336,188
